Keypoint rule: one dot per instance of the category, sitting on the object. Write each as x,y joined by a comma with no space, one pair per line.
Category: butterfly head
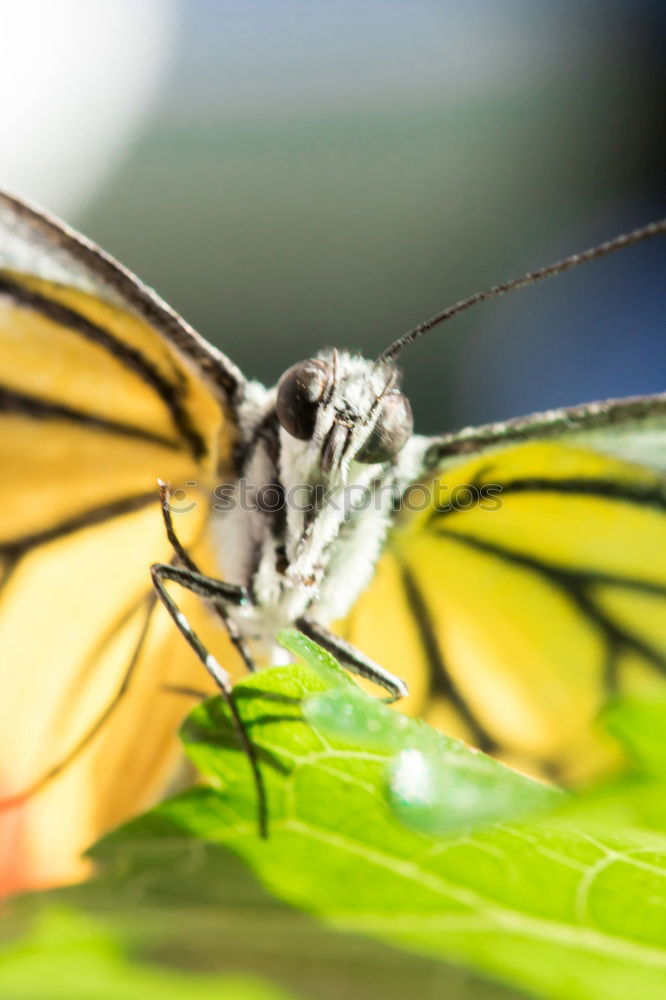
342,408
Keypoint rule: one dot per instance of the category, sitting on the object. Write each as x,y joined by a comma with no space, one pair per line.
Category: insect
511,577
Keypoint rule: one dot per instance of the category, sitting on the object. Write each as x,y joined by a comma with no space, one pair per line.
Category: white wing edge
34,242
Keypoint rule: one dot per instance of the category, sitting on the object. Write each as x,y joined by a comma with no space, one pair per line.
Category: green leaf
639,724
433,783
170,900
319,660
566,905
173,903
67,956
354,893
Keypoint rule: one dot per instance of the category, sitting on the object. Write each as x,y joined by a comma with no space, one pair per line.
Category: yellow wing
530,589
102,391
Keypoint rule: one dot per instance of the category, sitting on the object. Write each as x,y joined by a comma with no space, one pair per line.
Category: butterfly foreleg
353,659
218,592
225,593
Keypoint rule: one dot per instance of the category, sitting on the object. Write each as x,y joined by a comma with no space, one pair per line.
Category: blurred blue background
291,175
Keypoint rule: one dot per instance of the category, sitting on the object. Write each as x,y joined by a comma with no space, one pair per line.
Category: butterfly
504,581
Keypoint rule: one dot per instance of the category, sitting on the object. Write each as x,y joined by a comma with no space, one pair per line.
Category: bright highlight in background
76,80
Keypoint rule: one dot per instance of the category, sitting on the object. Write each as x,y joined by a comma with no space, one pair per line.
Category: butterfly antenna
601,250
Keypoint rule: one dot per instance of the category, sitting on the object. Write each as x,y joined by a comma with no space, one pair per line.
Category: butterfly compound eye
300,391
391,432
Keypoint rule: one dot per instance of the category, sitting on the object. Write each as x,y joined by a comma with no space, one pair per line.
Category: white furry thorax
328,557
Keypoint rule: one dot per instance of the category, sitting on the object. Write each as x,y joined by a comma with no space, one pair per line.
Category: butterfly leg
354,660
228,593
217,591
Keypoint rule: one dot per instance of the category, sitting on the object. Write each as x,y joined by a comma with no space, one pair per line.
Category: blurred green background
300,174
